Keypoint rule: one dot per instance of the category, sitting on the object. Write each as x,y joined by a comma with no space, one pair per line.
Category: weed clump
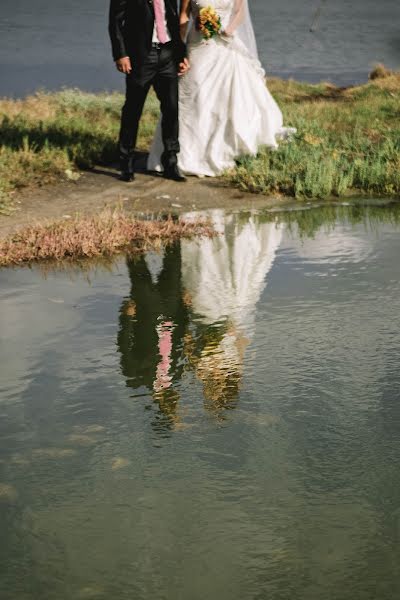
380,72
105,234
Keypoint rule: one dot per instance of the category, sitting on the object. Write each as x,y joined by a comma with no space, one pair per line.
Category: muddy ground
147,195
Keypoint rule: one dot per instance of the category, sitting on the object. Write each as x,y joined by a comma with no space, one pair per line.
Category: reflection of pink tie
160,22
163,379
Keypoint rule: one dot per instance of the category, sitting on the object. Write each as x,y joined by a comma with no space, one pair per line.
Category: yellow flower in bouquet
208,22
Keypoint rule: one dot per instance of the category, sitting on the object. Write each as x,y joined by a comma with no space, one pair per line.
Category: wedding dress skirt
225,276
225,108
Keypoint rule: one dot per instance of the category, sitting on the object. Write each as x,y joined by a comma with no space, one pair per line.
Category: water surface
52,44
219,420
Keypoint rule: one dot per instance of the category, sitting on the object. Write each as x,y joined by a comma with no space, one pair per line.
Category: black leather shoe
127,176
174,174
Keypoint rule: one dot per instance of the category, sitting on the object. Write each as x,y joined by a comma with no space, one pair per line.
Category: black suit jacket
131,25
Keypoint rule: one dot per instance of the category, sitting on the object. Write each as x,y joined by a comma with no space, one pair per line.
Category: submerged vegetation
92,241
347,141
105,234
307,222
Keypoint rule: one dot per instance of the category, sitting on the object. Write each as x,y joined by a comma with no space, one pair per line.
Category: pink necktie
160,22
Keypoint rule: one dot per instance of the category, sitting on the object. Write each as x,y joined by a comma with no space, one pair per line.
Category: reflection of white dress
225,107
226,275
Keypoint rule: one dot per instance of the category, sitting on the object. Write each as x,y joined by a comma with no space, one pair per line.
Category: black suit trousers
159,70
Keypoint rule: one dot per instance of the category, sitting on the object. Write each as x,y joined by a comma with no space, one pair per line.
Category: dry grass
109,233
291,91
40,107
45,137
380,72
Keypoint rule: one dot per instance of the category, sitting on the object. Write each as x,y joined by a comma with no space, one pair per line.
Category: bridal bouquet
208,23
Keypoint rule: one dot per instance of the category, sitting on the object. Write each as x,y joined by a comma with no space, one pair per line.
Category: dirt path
148,194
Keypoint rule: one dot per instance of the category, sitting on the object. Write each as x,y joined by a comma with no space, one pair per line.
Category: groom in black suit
148,49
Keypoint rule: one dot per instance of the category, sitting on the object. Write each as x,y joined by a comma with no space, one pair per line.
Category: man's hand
184,66
124,65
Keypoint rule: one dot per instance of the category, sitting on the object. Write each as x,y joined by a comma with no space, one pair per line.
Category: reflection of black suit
131,27
137,338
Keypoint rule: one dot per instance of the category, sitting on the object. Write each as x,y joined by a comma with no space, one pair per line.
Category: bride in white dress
225,108
224,278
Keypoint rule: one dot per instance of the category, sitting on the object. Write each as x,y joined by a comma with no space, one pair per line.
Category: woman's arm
184,19
237,17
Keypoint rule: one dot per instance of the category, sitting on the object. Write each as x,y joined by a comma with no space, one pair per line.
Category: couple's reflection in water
191,312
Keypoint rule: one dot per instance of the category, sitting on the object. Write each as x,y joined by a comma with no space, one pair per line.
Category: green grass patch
347,141
46,137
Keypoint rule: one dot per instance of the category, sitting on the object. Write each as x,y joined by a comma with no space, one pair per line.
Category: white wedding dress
225,108
226,275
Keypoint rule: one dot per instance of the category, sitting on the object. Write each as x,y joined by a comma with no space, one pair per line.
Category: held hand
226,35
184,67
124,65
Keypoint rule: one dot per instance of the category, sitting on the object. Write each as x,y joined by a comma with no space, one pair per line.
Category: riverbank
347,141
98,235
72,218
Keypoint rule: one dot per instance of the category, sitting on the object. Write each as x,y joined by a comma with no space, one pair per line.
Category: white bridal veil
241,22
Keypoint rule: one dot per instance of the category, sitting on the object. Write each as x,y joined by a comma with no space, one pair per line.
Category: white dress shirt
155,39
